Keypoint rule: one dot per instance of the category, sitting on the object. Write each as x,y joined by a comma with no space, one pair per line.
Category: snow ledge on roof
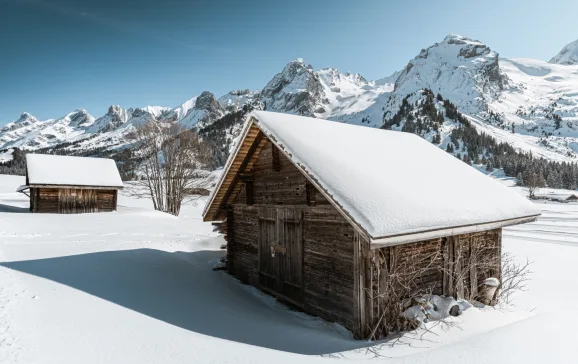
392,183
46,169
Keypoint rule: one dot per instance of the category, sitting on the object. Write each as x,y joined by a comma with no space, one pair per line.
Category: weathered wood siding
451,266
72,200
340,278
328,265
326,269
288,186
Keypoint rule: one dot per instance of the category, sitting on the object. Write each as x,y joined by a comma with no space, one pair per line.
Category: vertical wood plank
230,239
275,159
474,261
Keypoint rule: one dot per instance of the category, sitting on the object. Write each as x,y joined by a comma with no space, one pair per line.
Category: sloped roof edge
376,239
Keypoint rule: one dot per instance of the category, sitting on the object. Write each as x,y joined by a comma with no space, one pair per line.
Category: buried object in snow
334,219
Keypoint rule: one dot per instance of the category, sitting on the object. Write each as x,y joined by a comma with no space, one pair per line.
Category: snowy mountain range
530,104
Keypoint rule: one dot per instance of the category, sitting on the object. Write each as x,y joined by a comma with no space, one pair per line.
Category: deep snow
136,286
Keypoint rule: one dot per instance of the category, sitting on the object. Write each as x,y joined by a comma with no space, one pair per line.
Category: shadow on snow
13,209
182,290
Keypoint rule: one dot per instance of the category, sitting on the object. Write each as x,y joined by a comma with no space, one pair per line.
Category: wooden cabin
348,222
71,185
571,198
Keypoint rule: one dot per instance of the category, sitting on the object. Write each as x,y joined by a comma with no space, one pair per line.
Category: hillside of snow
137,286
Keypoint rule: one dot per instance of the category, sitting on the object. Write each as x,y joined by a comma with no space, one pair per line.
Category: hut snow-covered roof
57,170
395,187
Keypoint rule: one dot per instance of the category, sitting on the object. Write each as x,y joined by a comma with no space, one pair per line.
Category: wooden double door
281,252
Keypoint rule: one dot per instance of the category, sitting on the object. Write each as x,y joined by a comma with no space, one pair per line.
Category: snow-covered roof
392,183
45,169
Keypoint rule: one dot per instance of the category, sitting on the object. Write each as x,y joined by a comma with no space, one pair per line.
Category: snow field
136,286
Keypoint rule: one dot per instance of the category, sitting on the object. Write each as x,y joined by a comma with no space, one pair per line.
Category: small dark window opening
276,163
310,192
249,192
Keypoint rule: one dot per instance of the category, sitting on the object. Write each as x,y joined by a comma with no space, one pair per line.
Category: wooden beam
248,156
244,177
275,157
33,185
249,193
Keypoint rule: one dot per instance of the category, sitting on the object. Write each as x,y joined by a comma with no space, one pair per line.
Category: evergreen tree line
17,165
473,147
215,134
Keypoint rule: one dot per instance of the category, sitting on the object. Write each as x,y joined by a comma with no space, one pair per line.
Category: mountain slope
528,104
568,55
326,93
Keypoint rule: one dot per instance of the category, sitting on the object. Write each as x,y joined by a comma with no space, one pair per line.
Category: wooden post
474,249
449,262
230,240
458,267
359,294
276,163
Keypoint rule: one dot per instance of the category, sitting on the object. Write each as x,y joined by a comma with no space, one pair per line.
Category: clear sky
60,55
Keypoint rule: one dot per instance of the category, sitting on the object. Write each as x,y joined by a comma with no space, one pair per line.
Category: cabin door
281,252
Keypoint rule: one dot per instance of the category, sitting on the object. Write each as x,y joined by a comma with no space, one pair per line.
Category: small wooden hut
71,185
571,198
328,216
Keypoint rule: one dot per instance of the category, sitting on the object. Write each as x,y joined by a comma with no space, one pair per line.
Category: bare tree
533,179
172,165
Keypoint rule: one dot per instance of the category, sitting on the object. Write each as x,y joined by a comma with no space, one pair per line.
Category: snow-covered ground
136,286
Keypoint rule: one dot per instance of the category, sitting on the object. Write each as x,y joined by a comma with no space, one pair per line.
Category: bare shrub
515,276
400,281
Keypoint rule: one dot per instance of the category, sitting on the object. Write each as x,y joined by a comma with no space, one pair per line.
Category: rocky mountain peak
297,89
568,55
26,117
466,70
114,110
140,112
80,117
208,102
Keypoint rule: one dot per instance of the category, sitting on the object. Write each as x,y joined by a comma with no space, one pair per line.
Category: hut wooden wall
344,280
451,266
72,200
327,238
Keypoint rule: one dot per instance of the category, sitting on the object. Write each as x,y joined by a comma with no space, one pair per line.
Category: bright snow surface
66,170
136,287
392,183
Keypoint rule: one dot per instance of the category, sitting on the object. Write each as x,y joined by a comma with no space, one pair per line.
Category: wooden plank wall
451,266
106,200
328,265
284,187
327,237
72,201
343,279
243,245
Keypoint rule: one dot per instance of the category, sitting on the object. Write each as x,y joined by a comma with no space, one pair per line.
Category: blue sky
60,55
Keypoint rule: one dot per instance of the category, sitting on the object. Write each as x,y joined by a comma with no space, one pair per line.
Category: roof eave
47,185
376,243
228,165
